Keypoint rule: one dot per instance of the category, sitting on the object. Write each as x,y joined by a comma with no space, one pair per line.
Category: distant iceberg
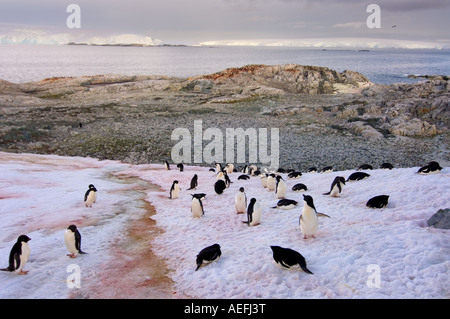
26,36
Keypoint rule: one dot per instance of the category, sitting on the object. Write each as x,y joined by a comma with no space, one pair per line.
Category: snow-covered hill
357,253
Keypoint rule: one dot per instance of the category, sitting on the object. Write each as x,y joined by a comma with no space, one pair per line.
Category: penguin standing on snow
336,186
309,219
271,182
254,212
197,206
286,258
72,238
240,201
194,182
208,255
167,165
90,196
180,167
18,257
174,190
219,186
280,187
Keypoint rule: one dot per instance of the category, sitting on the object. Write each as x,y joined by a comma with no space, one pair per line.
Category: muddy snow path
42,195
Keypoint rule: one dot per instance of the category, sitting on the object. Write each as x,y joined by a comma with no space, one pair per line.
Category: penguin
219,167
378,201
357,176
197,206
229,168
286,204
72,238
240,201
264,180
167,165
309,221
286,258
174,190
219,186
194,182
294,175
299,187
312,169
336,186
364,167
90,196
430,168
280,187
208,255
18,257
180,167
271,182
281,170
327,169
254,212
243,177
386,166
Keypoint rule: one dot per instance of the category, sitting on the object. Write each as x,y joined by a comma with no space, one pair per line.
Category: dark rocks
441,219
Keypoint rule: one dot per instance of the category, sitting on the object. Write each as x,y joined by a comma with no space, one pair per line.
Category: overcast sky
194,21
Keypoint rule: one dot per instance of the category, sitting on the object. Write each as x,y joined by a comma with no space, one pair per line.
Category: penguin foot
23,272
71,255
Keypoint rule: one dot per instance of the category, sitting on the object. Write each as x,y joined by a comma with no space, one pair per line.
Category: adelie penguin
194,182
197,206
18,257
336,186
271,182
430,168
90,196
299,187
288,258
219,186
167,165
309,219
240,201
254,212
357,176
174,190
380,201
208,255
180,167
280,187
72,239
286,203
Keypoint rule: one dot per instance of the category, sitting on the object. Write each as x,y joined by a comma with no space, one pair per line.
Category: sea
25,63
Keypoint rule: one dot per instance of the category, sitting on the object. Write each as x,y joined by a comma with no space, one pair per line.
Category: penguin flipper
327,193
303,266
322,215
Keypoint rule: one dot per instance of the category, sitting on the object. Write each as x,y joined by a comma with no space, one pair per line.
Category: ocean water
24,63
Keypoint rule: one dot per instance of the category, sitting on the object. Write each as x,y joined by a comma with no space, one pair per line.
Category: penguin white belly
175,192
264,182
240,203
281,190
271,183
335,191
309,222
256,216
69,239
196,208
90,199
23,257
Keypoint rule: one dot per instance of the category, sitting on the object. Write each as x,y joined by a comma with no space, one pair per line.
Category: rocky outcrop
275,79
441,219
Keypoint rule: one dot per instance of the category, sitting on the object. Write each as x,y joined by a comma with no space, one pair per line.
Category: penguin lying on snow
299,187
90,196
208,255
72,238
430,168
287,258
286,203
378,201
357,176
18,257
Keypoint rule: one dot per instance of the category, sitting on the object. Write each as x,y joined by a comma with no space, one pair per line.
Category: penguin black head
23,238
309,200
198,195
92,187
279,178
72,228
241,189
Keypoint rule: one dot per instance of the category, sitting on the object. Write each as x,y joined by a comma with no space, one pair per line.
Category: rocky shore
324,117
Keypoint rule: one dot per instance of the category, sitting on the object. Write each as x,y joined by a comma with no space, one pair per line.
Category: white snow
357,253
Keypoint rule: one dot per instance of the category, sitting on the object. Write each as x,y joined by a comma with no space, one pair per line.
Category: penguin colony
286,258
309,218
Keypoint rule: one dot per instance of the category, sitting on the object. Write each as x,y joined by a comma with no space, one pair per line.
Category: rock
440,219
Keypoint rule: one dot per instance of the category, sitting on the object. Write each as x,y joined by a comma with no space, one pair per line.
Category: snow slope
357,253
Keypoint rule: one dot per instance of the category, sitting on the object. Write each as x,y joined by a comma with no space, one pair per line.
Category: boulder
441,219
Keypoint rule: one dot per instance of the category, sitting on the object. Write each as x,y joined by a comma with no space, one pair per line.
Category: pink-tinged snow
41,195
350,250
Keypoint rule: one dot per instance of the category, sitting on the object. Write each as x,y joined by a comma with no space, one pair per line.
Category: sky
198,21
